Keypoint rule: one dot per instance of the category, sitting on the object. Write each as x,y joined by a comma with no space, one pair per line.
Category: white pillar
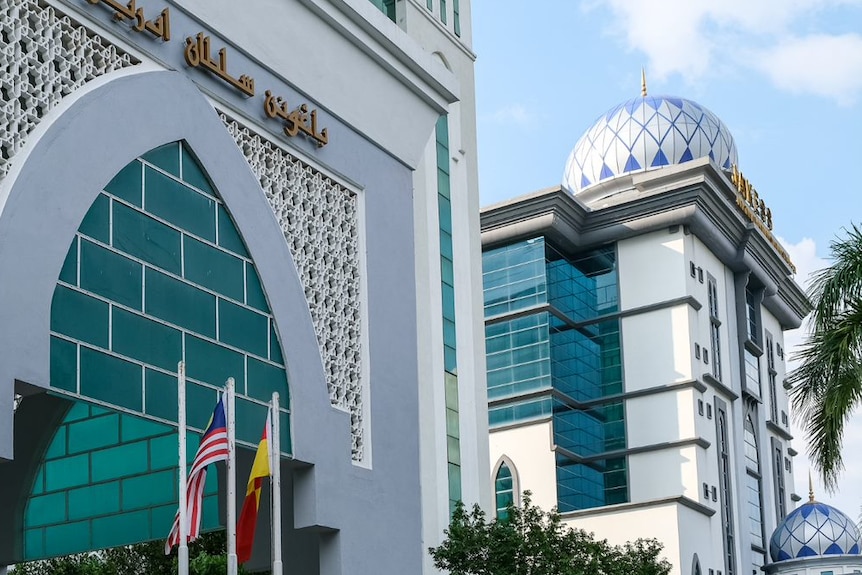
275,484
232,566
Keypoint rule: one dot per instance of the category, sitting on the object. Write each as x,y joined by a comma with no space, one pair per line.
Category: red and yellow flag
250,507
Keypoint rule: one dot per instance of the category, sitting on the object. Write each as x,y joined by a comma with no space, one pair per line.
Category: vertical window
751,315
456,16
504,491
752,372
443,15
772,377
753,484
778,471
725,474
429,4
714,324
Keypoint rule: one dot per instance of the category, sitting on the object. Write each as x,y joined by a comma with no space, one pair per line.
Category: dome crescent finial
810,488
643,83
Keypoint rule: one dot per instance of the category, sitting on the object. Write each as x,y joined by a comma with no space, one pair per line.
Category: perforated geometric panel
319,219
43,57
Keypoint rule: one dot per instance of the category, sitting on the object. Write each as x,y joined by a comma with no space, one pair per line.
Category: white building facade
634,336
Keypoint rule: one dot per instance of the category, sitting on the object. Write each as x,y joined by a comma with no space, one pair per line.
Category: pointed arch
507,486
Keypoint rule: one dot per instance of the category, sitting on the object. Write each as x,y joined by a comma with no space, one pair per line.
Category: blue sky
784,75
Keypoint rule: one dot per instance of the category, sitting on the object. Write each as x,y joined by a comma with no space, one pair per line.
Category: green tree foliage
828,383
532,542
207,556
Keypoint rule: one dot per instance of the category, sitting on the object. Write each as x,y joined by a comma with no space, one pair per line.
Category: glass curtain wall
553,351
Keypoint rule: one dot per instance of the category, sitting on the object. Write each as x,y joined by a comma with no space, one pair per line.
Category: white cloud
829,66
695,38
516,114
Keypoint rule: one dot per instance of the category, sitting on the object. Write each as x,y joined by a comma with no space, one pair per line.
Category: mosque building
280,192
634,321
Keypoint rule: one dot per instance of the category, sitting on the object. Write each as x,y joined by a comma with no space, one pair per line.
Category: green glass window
504,492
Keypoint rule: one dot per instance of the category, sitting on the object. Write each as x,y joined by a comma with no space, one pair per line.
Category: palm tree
828,383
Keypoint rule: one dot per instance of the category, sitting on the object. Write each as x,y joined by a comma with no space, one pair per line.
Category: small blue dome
647,133
814,529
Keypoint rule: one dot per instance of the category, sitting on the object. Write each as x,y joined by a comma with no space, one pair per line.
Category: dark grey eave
697,195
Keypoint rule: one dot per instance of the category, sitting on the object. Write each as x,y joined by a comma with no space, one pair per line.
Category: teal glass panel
454,481
58,444
444,184
143,237
212,363
39,482
124,460
513,277
164,452
264,379
182,206
228,237
79,316
444,207
442,131
46,510
127,184
34,543
149,490
94,500
451,391
122,529
210,518
64,364
161,395
67,472
166,157
134,428
284,422
452,423
200,402
69,271
79,411
67,539
275,346
111,380
213,268
429,4
193,174
453,450
180,303
89,434
446,250
449,335
111,275
448,301
145,340
456,17
450,359
243,328
163,518
447,271
96,223
254,290
518,412
250,420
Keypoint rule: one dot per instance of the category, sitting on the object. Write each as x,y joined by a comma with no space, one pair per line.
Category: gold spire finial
643,83
810,488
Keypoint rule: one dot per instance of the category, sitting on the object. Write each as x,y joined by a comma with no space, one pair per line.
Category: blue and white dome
646,133
812,530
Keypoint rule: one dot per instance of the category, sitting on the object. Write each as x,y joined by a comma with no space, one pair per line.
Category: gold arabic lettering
160,27
197,54
296,121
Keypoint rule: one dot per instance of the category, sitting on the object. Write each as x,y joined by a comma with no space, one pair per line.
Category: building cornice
623,507
696,195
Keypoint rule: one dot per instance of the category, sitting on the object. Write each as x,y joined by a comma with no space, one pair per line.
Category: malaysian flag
213,447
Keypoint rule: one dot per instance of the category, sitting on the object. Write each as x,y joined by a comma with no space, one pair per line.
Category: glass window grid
450,356
456,17
751,315
510,413
752,372
514,277
106,469
504,491
172,160
589,485
780,489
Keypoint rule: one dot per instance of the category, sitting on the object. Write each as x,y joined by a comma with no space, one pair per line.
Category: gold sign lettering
197,53
160,27
296,121
754,208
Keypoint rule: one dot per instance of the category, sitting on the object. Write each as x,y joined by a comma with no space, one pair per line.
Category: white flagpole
183,551
275,485
231,478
